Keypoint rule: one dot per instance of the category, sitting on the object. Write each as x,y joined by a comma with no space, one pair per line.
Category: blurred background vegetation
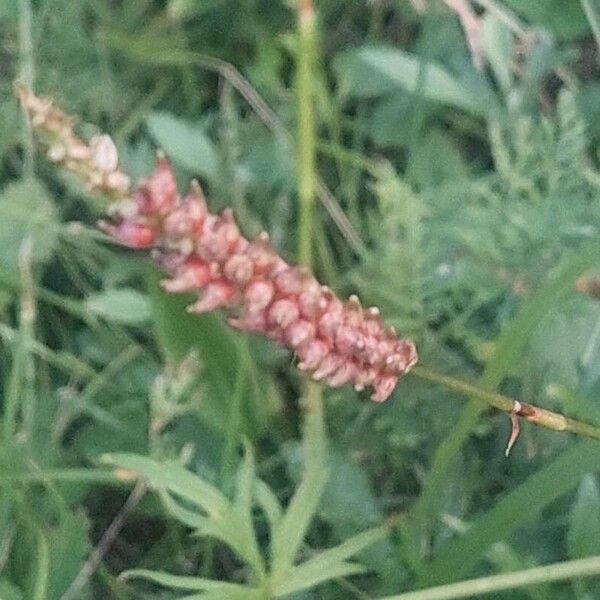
459,191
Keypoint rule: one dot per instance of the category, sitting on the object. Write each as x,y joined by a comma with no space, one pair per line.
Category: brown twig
106,541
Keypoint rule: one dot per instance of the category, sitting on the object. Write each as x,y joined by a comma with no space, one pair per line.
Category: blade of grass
64,361
26,77
515,509
509,346
584,567
592,13
91,476
42,568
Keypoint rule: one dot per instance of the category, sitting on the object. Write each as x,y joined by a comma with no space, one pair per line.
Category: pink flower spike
338,342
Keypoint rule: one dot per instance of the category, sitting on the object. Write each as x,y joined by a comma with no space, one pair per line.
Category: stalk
533,414
306,182
27,75
306,136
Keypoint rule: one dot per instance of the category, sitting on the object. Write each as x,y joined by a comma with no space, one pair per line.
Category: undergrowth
463,202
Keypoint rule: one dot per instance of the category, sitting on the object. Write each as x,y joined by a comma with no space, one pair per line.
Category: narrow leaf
371,71
174,477
525,502
329,563
186,143
474,588
180,582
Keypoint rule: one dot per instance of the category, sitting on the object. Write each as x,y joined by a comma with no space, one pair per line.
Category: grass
464,203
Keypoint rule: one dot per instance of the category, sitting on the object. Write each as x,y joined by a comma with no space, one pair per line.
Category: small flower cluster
95,163
338,342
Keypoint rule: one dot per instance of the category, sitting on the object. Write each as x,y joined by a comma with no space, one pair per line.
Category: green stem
307,178
306,130
20,387
92,476
471,588
534,414
27,76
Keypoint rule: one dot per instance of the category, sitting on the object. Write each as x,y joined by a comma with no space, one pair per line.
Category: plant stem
92,476
26,76
307,179
533,414
306,136
584,567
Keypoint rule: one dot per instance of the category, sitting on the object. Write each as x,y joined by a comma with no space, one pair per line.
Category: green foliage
475,196
209,513
26,211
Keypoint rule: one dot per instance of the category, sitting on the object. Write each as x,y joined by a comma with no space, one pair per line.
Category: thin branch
533,414
108,537
472,28
471,588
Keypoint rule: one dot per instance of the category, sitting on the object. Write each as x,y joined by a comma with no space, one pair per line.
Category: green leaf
222,352
301,579
328,564
290,533
565,19
508,349
123,305
8,591
475,588
26,210
175,478
268,501
42,568
348,512
584,532
498,44
9,9
371,71
185,143
516,508
180,582
243,511
230,524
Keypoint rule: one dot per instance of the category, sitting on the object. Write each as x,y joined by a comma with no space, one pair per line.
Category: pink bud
383,387
343,375
348,340
255,322
104,153
291,280
312,354
191,275
282,313
216,295
130,234
238,269
157,194
261,255
299,332
330,364
258,295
